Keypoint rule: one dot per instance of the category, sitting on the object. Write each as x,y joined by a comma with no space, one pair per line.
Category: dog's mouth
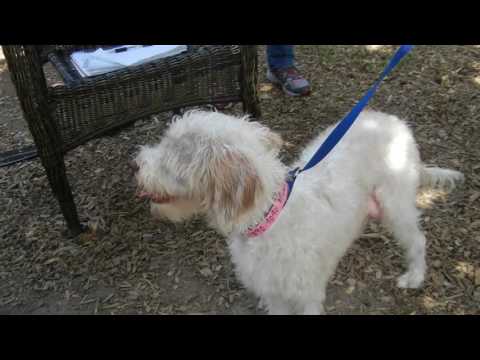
156,198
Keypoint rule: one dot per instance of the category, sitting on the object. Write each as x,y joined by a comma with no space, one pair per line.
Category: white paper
103,61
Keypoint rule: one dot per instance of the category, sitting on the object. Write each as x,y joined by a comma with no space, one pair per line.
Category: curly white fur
227,169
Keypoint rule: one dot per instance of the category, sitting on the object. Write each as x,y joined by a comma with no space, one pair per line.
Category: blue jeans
280,56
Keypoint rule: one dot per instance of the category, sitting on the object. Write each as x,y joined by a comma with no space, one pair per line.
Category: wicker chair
62,117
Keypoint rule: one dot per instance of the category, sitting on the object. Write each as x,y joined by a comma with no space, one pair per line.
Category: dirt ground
130,264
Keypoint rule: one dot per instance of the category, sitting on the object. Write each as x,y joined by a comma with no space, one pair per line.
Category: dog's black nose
133,165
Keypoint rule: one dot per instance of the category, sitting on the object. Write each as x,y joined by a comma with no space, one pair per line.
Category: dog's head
207,163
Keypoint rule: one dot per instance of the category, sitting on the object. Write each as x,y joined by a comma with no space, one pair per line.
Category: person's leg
282,71
280,56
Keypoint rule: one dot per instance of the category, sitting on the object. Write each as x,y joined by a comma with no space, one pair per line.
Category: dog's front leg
313,309
277,306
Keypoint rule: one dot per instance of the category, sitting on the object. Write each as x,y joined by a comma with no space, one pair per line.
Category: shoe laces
290,73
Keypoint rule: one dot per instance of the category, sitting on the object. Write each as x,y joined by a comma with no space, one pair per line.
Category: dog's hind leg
401,216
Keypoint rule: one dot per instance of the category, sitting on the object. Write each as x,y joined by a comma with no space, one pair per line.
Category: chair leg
61,189
249,79
26,70
251,106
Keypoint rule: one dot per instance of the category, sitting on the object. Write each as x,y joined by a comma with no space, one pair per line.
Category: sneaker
290,80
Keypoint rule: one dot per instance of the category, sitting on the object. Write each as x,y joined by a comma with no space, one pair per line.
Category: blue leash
342,128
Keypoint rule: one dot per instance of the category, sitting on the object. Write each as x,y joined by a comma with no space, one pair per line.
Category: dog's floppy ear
231,184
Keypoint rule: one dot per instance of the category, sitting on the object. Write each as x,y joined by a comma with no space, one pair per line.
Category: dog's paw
261,305
410,280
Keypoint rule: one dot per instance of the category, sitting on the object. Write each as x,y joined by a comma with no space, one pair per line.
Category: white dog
227,169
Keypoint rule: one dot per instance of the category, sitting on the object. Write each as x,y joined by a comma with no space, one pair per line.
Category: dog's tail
435,177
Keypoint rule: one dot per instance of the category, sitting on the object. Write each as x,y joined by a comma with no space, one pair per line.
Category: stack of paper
104,61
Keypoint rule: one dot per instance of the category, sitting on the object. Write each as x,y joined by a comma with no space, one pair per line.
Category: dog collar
272,214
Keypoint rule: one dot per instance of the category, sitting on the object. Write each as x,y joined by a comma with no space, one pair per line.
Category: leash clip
292,174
